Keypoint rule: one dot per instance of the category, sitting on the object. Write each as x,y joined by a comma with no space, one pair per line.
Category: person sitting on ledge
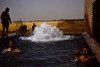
11,48
22,30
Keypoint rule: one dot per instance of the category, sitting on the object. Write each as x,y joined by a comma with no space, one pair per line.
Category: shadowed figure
5,19
11,48
86,58
33,27
22,30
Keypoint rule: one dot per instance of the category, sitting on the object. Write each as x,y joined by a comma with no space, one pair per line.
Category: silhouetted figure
33,27
22,30
5,19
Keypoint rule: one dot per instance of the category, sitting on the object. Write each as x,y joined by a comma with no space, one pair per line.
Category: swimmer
11,48
86,56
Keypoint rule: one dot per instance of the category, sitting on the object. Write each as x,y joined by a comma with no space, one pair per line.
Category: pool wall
95,46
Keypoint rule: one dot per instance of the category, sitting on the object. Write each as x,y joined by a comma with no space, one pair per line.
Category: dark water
49,54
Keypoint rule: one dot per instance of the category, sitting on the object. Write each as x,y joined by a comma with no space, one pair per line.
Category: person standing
33,27
5,20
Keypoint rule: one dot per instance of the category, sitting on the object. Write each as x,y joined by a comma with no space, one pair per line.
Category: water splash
45,33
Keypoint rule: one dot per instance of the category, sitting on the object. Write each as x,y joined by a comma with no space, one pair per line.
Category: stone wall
88,16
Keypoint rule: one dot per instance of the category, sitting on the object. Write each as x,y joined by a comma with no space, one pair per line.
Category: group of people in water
83,57
6,21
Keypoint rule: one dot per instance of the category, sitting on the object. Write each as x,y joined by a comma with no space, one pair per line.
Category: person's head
33,23
7,9
11,44
86,50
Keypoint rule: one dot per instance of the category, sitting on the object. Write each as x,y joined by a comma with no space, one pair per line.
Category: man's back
5,16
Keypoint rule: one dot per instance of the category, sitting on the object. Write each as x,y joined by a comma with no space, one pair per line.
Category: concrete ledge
11,35
95,46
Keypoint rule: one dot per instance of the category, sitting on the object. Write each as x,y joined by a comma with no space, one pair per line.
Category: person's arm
2,16
9,18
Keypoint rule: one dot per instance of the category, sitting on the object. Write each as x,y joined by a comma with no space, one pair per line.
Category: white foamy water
45,33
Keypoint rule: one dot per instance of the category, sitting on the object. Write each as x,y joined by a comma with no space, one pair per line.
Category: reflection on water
48,54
